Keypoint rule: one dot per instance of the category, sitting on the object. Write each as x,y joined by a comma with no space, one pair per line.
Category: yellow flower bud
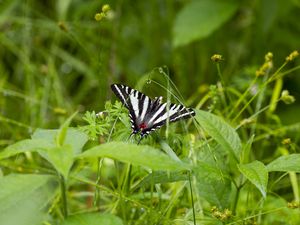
266,66
269,56
292,56
286,141
98,16
287,98
217,58
105,8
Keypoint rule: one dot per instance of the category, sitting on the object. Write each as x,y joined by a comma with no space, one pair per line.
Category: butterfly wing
148,115
159,114
136,102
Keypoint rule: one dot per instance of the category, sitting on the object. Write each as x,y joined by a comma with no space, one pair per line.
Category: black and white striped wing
145,114
159,114
136,102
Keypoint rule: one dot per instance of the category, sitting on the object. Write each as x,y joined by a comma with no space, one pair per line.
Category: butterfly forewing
147,115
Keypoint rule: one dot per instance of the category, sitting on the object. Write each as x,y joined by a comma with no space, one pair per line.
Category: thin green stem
100,162
97,191
63,196
192,198
126,182
253,216
220,74
274,76
14,122
236,196
267,81
242,97
259,102
280,75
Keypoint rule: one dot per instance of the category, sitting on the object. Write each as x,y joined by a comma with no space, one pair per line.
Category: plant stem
192,198
97,191
64,196
236,197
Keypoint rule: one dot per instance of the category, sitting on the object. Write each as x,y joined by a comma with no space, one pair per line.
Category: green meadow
69,152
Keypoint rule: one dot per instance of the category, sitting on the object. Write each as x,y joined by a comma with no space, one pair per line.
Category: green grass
236,162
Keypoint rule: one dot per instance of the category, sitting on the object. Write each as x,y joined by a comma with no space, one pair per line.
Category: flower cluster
266,66
223,216
292,56
103,14
293,205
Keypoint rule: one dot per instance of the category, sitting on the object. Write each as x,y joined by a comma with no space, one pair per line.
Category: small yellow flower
223,216
268,57
293,205
286,141
287,98
217,58
99,16
292,56
105,8
268,64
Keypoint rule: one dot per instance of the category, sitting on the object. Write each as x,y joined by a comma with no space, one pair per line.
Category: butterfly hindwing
162,114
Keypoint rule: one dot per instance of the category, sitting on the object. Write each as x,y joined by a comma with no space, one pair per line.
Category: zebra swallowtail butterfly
146,114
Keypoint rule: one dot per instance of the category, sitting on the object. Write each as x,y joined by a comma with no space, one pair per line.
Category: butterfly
146,114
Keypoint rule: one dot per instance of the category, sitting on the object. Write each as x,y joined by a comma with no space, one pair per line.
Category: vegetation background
58,57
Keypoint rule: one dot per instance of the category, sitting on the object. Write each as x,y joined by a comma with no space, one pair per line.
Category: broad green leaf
62,132
198,19
168,150
212,185
162,177
257,174
93,219
222,132
61,158
141,155
24,146
74,137
285,163
23,197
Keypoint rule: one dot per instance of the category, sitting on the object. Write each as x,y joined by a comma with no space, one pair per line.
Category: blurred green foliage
58,57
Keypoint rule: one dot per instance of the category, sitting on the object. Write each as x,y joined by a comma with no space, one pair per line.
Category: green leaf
246,150
212,185
198,19
62,132
23,197
162,177
61,158
24,146
285,163
74,137
141,155
257,174
93,219
222,132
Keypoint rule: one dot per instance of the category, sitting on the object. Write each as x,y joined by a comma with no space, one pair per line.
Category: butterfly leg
140,140
130,136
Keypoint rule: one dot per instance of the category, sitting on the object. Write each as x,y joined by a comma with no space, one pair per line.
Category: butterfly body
147,115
